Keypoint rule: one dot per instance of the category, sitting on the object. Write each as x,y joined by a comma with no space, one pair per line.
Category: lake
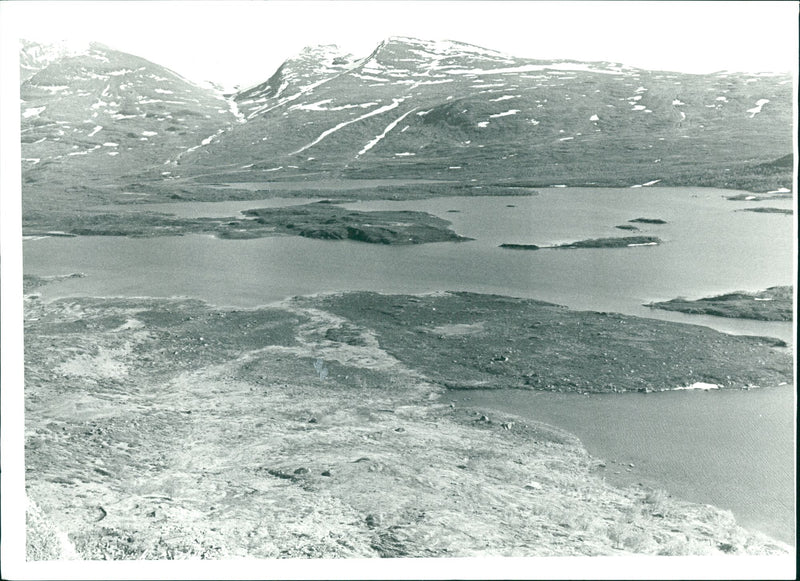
709,248
731,449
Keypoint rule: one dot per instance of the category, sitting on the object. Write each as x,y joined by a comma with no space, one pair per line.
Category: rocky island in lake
330,222
622,242
772,304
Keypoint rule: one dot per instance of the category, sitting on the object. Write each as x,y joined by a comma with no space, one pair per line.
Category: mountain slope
91,118
451,110
98,124
34,56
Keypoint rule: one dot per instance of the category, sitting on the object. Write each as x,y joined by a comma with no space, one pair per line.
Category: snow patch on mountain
529,68
757,109
319,106
504,98
324,134
303,91
32,112
389,127
504,113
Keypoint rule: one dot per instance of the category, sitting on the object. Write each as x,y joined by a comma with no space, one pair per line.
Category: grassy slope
169,429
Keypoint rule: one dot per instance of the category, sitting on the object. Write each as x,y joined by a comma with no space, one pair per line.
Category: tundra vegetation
320,427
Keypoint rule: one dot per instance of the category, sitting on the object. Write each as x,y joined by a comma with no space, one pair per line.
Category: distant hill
417,108
98,116
96,120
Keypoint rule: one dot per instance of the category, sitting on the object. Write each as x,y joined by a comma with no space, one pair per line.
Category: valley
254,320
100,124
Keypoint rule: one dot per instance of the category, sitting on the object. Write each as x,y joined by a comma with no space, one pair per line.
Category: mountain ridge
411,64
410,109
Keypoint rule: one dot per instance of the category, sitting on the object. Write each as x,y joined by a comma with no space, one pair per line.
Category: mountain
95,121
450,110
91,118
294,78
34,56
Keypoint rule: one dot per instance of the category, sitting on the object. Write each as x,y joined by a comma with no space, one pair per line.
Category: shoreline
358,413
647,462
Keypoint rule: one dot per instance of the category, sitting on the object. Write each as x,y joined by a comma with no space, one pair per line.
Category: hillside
453,111
98,124
90,118
174,430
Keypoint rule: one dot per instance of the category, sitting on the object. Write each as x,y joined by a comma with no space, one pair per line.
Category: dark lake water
708,248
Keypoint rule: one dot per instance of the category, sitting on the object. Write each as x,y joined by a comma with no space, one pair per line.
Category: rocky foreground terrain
168,429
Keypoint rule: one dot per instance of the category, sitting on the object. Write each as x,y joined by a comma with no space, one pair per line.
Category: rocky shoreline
160,429
772,304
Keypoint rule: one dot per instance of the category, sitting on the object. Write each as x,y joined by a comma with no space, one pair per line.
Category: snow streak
389,127
324,134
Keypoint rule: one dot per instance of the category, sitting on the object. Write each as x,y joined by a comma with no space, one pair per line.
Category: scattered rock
99,513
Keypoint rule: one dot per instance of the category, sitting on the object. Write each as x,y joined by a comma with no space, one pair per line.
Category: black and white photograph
399,289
